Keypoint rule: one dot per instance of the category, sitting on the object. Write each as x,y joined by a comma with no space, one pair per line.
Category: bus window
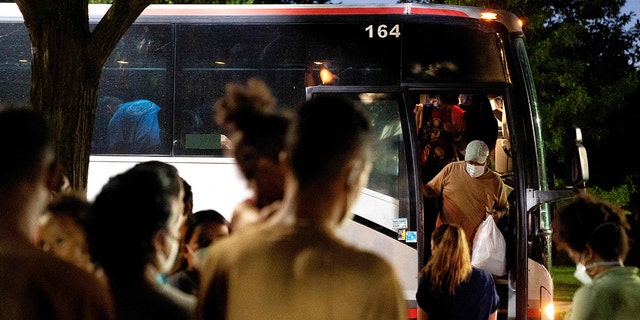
379,203
15,65
208,56
463,55
140,67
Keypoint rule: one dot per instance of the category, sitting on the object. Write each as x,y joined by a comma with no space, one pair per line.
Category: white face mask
581,270
581,274
474,171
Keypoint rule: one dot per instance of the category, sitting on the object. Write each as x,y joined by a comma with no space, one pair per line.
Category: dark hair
448,98
25,137
588,220
73,204
249,112
327,132
126,215
199,218
188,193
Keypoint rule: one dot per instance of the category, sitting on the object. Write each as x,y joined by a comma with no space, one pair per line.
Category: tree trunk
66,68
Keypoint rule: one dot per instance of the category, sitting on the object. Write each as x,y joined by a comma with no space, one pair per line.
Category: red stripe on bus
274,11
534,313
438,11
412,313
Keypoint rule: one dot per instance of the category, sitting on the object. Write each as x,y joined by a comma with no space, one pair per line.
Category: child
61,230
203,228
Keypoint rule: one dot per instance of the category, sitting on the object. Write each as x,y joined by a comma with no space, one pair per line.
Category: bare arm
423,315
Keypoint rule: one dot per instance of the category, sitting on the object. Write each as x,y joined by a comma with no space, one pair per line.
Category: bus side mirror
578,161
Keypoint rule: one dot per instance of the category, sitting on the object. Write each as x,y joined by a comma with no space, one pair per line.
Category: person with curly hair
248,111
593,234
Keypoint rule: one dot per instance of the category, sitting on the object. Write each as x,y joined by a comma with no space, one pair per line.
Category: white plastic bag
489,248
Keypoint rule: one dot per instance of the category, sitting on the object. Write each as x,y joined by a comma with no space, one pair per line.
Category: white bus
387,57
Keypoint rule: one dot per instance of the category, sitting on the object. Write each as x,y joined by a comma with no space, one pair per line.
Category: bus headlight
547,308
548,311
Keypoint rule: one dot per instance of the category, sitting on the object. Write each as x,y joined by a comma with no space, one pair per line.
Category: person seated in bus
203,228
61,231
449,286
298,268
593,234
133,234
258,133
469,190
135,128
36,284
480,121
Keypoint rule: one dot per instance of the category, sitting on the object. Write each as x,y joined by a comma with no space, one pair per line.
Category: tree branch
113,26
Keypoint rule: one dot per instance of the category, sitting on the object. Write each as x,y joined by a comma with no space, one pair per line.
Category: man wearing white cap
469,190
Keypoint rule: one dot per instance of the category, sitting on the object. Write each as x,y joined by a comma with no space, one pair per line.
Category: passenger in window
593,234
133,233
35,284
258,133
61,231
203,228
135,128
450,287
298,268
480,121
470,190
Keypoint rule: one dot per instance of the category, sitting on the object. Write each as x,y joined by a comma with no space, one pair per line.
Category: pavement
561,309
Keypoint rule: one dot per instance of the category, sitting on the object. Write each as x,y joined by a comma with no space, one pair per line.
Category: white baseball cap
477,151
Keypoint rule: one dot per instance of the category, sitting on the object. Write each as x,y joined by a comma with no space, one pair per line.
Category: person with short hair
480,121
61,230
470,191
202,229
133,233
33,283
593,234
298,268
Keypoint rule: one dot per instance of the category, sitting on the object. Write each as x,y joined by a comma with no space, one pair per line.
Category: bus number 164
383,31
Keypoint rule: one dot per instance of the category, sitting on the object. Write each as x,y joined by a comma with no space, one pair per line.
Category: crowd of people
137,251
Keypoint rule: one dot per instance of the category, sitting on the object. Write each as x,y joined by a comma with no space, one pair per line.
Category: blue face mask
161,278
